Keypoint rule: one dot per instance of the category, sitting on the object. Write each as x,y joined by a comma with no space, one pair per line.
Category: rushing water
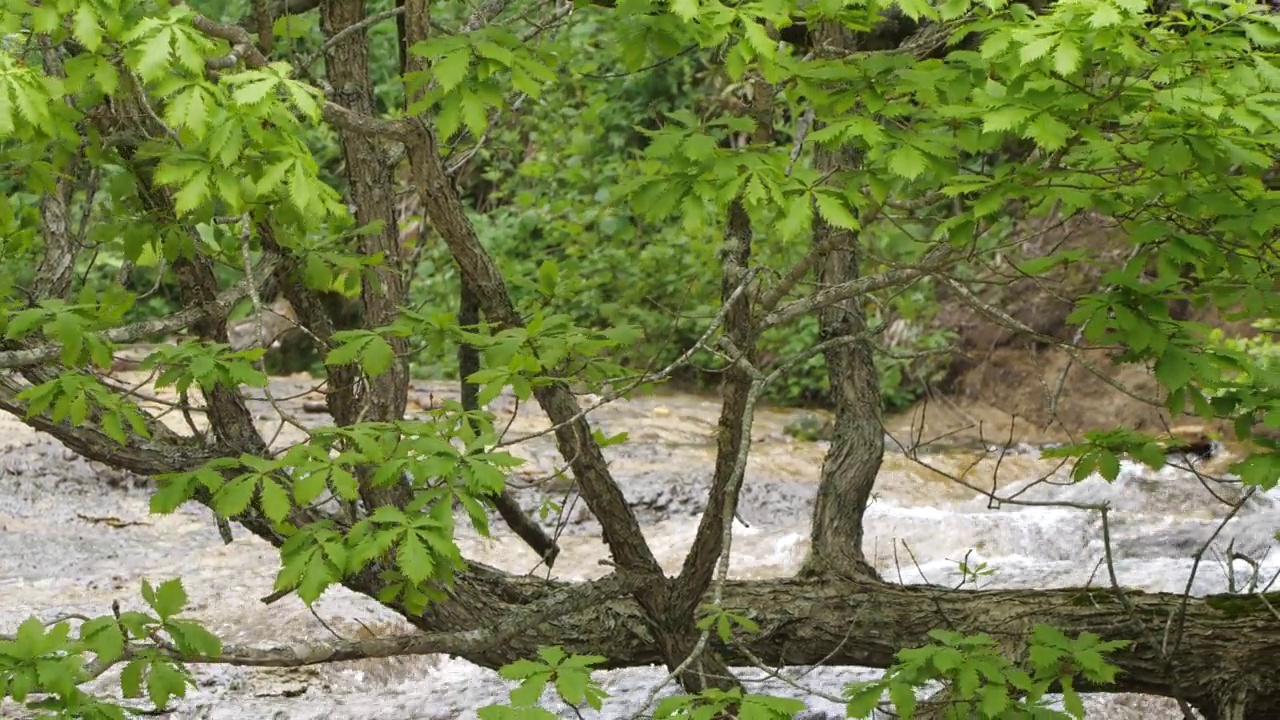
70,544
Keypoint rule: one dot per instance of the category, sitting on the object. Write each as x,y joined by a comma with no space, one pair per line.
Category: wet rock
809,427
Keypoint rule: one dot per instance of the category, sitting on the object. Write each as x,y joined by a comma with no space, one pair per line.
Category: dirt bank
1003,381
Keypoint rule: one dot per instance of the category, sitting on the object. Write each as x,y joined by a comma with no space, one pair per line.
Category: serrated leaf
274,500
170,598
232,498
835,212
376,356
798,218
104,637
1105,15
907,162
131,678
254,91
85,27
1048,132
291,26
529,692
413,558
450,70
572,686
317,576
903,697
686,10
1172,369
1036,49
164,683
521,669
475,113
195,637
1006,118
154,56
1066,58
759,39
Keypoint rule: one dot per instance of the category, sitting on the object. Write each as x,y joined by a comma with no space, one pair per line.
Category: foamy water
921,524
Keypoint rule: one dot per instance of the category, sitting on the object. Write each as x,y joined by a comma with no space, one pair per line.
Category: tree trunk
369,172
857,444
1229,640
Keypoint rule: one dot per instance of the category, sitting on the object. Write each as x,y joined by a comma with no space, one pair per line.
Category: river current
75,536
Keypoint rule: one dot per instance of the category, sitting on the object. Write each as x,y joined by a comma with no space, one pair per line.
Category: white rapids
69,545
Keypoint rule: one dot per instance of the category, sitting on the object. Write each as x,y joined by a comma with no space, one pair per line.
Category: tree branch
442,205
937,258
222,304
738,389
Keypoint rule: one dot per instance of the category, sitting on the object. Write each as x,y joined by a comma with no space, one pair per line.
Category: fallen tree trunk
1227,647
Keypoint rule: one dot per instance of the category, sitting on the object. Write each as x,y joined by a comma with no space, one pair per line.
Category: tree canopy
599,196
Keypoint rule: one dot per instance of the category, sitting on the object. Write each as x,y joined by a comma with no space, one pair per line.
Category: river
75,536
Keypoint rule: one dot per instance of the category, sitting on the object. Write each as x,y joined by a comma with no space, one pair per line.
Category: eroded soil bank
74,537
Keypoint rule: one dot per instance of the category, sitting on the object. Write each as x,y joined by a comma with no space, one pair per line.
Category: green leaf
521,669
1173,369
474,113
686,10
548,277
572,686
274,500
170,598
1104,15
165,682
1066,58
835,212
450,70
1006,118
529,692
291,26
916,9
85,27
131,678
376,356
252,93
346,353
234,497
1036,49
1108,465
798,218
907,162
413,558
903,696
1048,132
104,637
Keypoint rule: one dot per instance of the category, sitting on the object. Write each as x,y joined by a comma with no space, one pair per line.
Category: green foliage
44,666
570,675
980,682
724,621
713,703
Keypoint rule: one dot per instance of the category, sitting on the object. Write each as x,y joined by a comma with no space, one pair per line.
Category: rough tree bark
857,444
371,181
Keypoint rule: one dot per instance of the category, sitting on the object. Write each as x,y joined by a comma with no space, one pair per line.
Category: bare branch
573,438
937,258
221,305
1005,319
